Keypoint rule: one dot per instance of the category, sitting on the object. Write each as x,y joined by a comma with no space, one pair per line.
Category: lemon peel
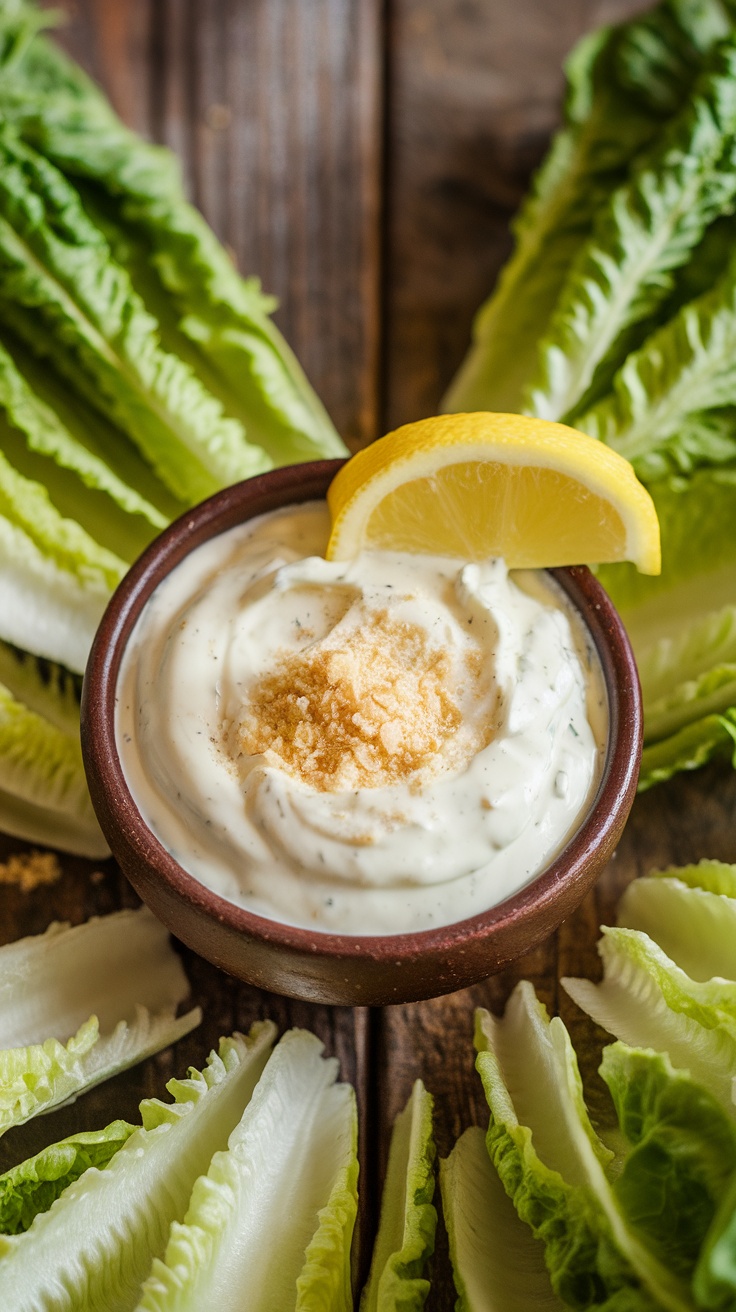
479,485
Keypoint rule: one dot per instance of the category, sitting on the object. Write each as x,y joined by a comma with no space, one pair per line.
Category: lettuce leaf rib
655,1009
552,1165
36,1183
95,1245
694,926
497,1264
406,1231
126,963
43,789
239,1245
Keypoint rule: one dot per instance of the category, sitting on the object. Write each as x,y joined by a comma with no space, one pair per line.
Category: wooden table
363,157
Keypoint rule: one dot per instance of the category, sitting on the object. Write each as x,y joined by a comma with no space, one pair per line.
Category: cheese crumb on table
30,870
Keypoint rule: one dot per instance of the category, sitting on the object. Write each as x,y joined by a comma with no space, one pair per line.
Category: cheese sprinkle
373,746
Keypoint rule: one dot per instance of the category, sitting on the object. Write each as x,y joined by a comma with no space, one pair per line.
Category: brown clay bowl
332,968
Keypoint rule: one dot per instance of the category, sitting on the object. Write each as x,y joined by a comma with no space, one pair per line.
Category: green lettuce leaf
645,1000
682,1156
240,1243
676,666
37,1078
701,741
641,236
654,413
79,472
692,701
622,84
497,1264
63,294
695,927
109,446
43,789
714,1284
44,687
224,317
55,580
712,876
19,23
715,1276
708,998
405,1238
682,624
31,1188
125,963
94,1246
553,1165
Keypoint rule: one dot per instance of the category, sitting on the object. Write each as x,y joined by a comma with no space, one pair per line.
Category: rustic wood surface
363,157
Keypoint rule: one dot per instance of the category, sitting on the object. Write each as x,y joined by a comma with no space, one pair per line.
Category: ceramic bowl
336,968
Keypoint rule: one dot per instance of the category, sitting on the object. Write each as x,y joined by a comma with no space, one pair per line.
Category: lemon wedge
481,485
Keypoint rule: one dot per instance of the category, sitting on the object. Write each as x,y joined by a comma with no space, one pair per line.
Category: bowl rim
124,826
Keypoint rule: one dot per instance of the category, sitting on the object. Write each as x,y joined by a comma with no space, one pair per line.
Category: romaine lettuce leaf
712,876
63,294
55,579
553,1165
79,476
224,316
94,431
95,1245
36,1183
653,416
648,1002
641,236
699,742
46,435
695,927
28,506
125,963
50,690
46,608
691,701
19,23
622,84
405,1238
714,1284
683,624
682,1156
672,666
708,998
241,1244
43,790
497,1264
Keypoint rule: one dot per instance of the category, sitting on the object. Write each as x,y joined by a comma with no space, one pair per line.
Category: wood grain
473,95
275,109
364,158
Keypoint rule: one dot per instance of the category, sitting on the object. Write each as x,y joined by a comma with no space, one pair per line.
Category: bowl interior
513,925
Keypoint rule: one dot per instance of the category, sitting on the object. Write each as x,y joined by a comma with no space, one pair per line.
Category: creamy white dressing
488,809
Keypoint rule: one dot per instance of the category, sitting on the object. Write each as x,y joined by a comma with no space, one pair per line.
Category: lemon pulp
482,485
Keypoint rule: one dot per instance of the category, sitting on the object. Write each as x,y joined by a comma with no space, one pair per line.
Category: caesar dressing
386,744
